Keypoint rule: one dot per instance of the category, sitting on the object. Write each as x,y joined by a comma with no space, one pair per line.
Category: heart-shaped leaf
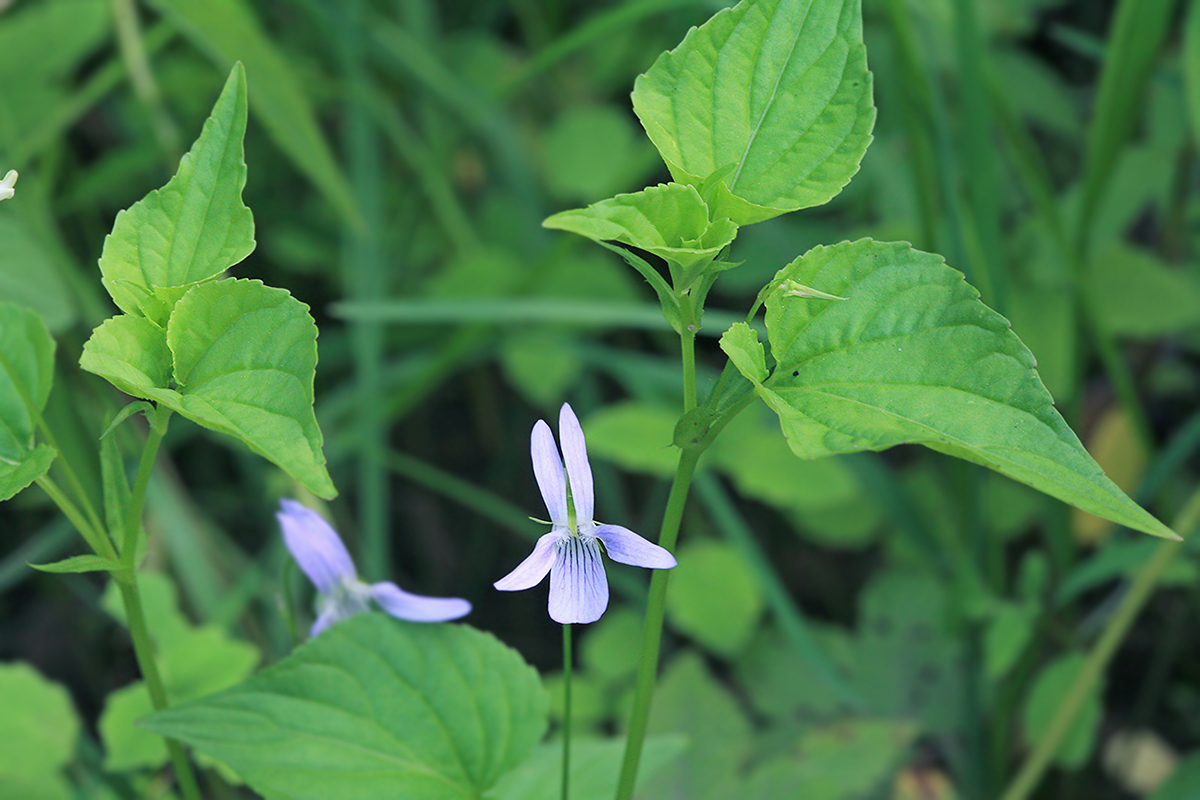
374,708
245,356
912,356
767,106
190,230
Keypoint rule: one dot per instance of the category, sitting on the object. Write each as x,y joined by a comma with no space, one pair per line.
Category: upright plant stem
137,63
141,482
687,345
144,650
652,632
1102,652
566,755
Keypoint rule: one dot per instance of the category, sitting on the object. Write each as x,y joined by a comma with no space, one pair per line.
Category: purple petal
415,607
579,471
529,573
578,585
325,619
548,469
315,546
625,546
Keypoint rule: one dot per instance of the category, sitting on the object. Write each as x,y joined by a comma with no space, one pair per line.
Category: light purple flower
320,553
569,552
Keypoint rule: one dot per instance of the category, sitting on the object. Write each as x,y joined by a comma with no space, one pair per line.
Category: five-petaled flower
320,553
6,185
570,552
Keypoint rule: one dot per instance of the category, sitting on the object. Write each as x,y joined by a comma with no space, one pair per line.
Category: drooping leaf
245,357
771,99
190,230
226,30
376,707
669,220
913,356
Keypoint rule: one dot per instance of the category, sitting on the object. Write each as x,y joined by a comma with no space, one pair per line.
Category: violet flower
320,553
570,552
6,185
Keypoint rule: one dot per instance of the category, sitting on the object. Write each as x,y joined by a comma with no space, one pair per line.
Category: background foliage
402,156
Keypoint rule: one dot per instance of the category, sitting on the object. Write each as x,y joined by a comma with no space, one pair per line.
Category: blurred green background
402,155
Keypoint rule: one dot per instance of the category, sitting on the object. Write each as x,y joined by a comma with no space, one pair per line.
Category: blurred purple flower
569,552
320,553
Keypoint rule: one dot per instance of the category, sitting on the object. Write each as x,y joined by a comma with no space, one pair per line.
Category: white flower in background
6,185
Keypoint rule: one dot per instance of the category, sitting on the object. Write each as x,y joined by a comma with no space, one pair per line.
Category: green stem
94,536
159,420
652,632
687,343
566,756
137,62
144,651
1102,652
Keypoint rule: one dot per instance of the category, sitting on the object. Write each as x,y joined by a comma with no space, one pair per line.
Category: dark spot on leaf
796,373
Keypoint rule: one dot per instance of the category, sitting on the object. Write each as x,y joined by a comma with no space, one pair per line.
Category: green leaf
612,646
245,357
906,664
1007,634
1050,687
227,31
636,436
744,349
127,746
715,597
30,275
847,759
771,99
669,220
131,353
87,563
912,356
595,766
690,701
192,229
39,725
15,477
1135,294
595,151
26,374
376,707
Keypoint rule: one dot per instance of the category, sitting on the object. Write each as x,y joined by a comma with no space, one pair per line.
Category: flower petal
315,545
326,618
548,469
627,547
415,607
578,585
579,471
529,573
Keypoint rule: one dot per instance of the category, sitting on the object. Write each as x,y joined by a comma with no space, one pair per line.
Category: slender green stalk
1102,652
144,650
137,62
687,341
137,499
94,536
652,631
566,756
